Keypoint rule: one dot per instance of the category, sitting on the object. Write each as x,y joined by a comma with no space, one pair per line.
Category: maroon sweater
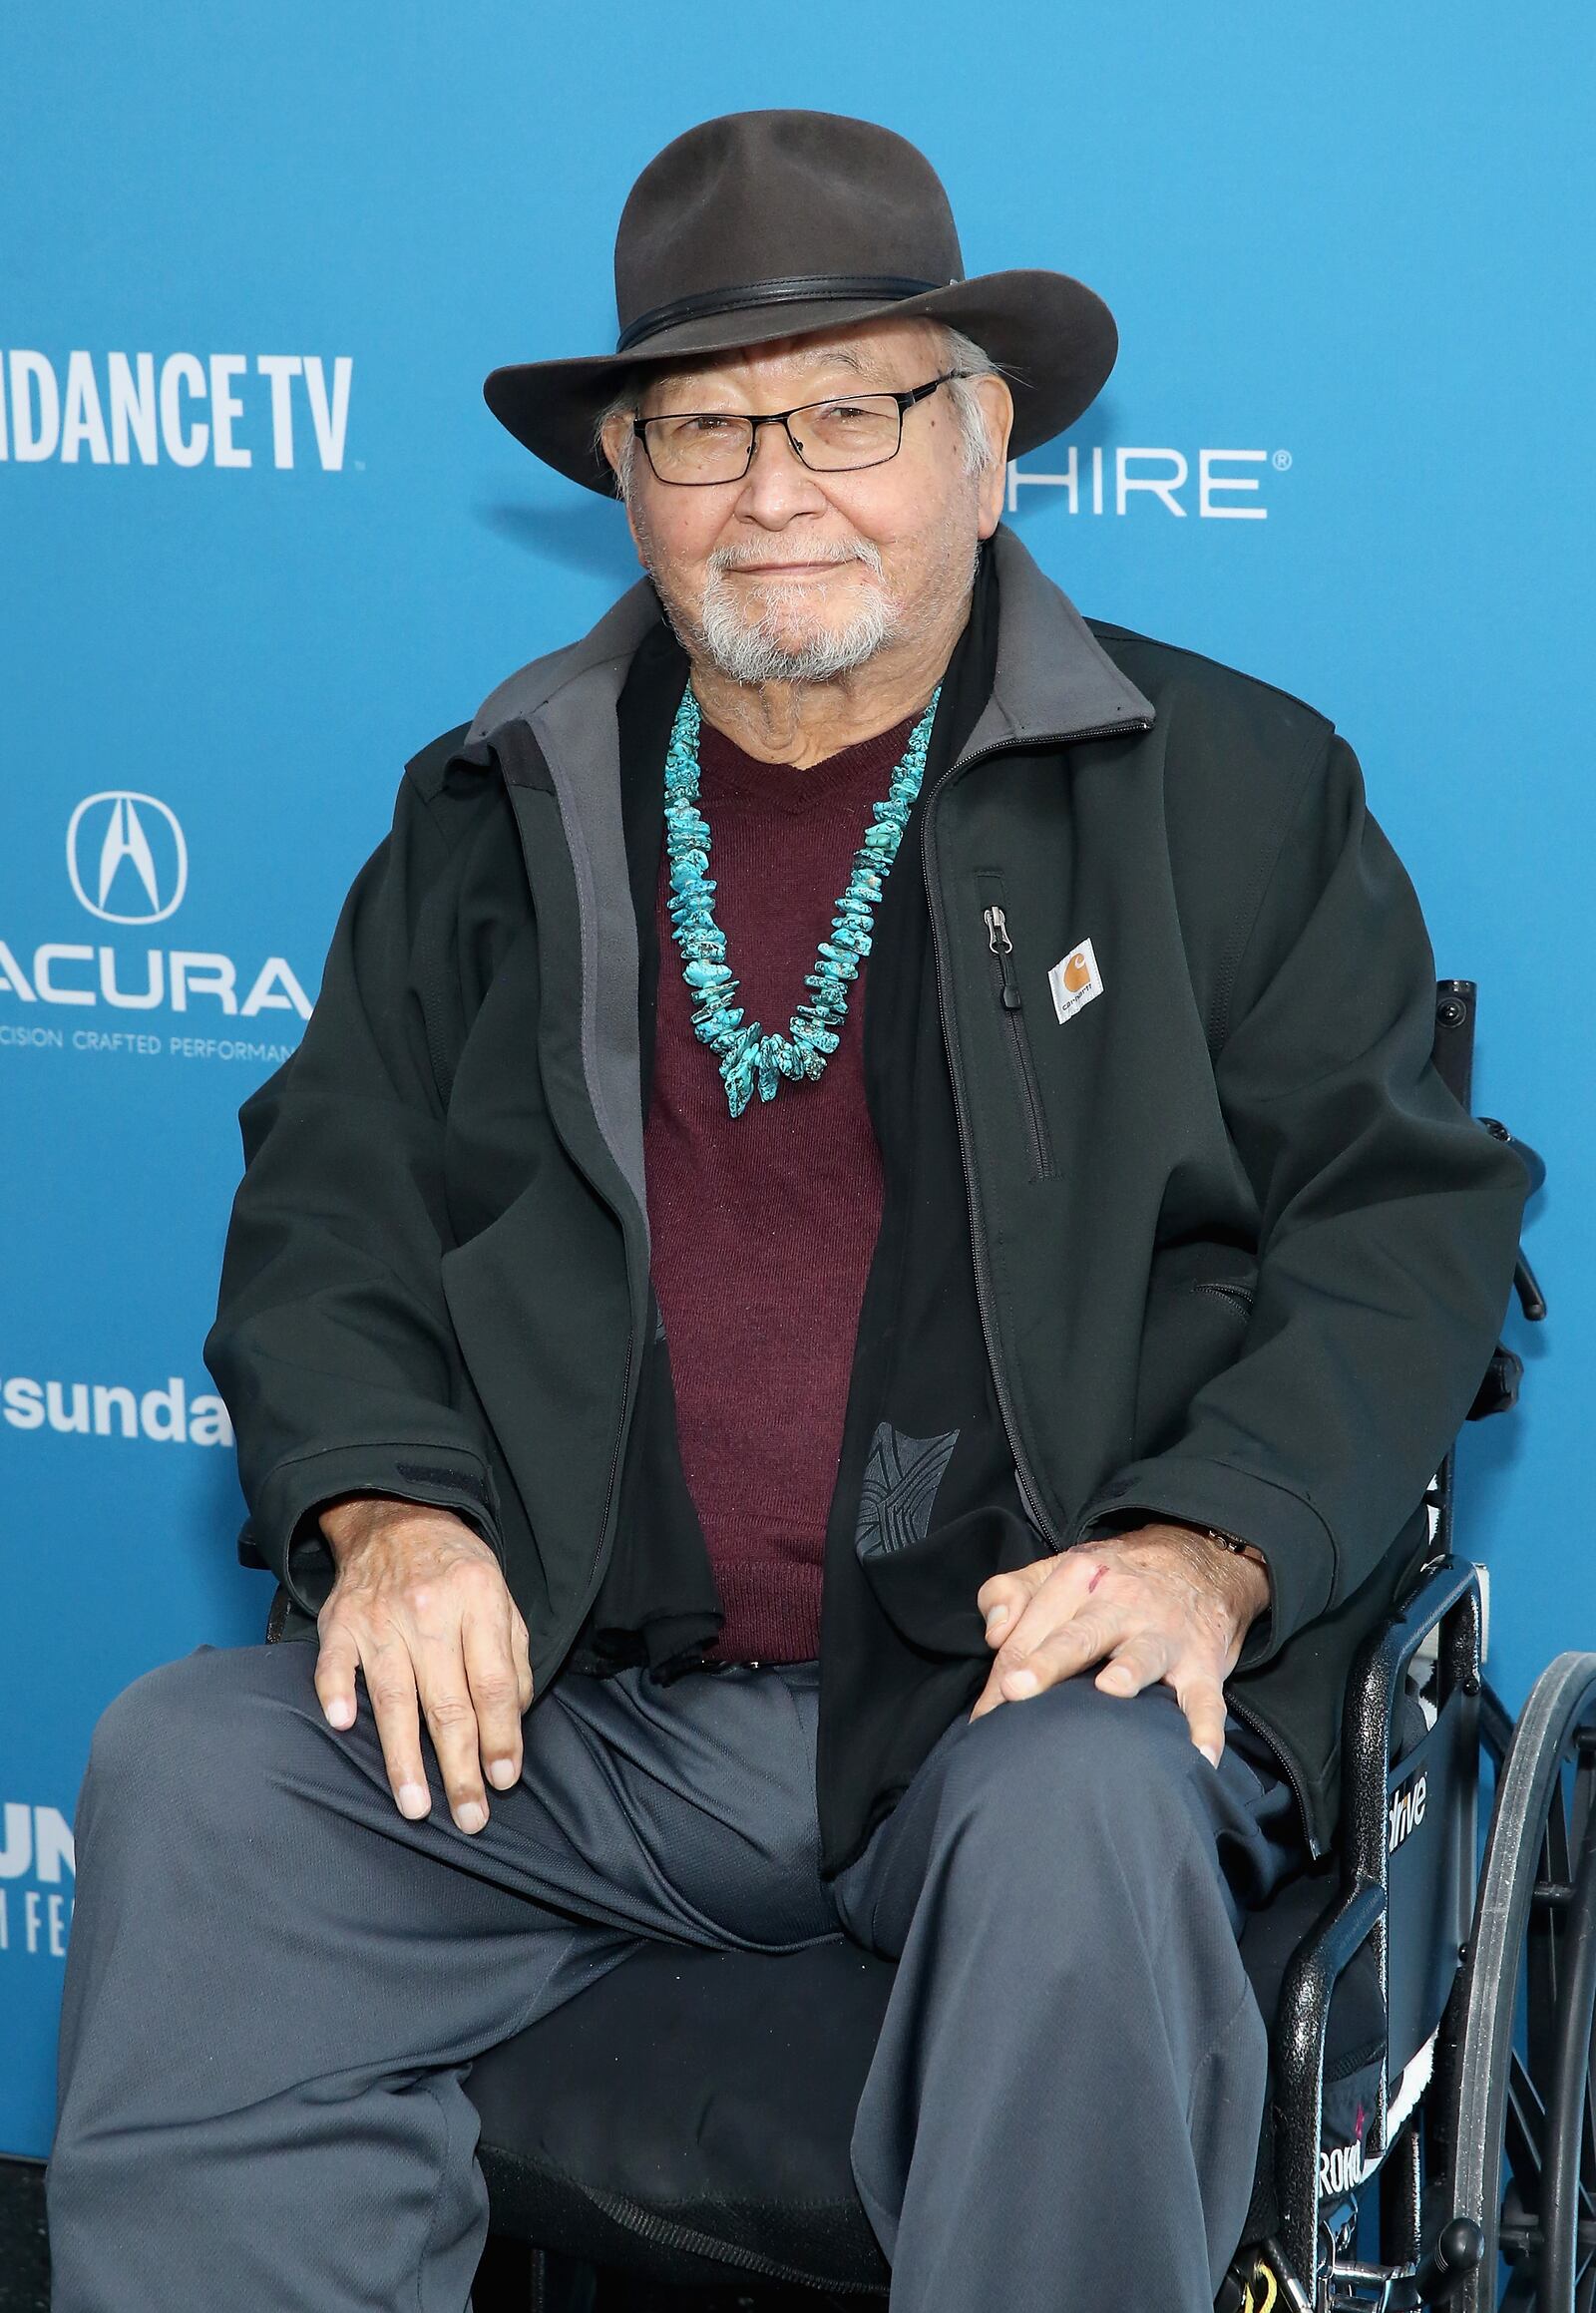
763,1224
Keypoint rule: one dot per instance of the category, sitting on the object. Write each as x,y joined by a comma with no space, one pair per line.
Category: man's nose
778,484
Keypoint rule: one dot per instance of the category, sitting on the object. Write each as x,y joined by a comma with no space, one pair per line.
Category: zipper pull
997,926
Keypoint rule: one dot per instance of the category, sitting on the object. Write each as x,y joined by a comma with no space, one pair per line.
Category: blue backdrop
263,539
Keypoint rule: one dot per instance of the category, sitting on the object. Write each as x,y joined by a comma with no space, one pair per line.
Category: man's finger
491,1675
991,1696
336,1662
1135,1665
1202,1697
451,1718
1059,1652
521,1648
391,1684
1001,1598
1043,1596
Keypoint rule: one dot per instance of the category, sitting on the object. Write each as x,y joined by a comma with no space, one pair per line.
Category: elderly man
836,1330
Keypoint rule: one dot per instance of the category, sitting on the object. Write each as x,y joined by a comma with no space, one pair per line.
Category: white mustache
741,557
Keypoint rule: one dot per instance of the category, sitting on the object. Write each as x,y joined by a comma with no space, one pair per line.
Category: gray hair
961,354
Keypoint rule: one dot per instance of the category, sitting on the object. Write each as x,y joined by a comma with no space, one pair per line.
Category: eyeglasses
697,448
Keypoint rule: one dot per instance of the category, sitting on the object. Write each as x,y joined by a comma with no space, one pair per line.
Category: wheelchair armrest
1447,1597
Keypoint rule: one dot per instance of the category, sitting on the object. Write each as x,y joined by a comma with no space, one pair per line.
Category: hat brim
1054,339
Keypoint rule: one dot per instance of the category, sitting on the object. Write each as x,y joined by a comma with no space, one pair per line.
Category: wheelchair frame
1526,1973
1448,1604
1487,2161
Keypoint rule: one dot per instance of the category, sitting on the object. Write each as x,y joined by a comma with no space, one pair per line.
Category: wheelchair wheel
1519,2126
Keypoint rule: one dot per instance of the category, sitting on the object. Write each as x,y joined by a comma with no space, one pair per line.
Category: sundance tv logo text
36,1844
187,409
162,1417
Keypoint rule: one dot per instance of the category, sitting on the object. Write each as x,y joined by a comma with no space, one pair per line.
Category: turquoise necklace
747,1056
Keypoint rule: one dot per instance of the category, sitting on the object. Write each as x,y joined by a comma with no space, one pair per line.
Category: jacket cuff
1294,1540
284,1526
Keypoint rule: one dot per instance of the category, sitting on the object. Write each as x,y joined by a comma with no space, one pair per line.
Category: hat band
795,289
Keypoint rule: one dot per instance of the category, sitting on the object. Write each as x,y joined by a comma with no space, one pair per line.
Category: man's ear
998,408
613,441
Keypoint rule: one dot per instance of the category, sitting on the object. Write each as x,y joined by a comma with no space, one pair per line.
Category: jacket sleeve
1389,1229
331,1343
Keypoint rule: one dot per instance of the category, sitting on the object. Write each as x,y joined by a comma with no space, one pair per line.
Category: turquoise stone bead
747,1056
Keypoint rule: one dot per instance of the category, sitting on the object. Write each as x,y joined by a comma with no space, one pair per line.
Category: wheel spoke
1567,2083
1556,1850
1525,2130
1543,1931
1584,1787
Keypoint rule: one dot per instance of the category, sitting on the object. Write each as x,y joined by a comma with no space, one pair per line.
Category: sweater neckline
727,773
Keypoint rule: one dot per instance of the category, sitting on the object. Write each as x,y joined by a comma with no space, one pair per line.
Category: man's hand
1161,1603
421,1605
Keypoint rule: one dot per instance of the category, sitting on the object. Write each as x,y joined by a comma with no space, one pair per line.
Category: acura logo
120,845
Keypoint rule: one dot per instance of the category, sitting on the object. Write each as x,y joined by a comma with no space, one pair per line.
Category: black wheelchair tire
1523,1956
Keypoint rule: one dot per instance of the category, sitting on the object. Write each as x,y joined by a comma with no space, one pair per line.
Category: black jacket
1238,1255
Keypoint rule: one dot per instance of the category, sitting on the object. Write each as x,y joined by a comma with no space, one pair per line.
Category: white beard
749,650
743,641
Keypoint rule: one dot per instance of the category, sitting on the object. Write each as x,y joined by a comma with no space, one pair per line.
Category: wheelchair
678,2133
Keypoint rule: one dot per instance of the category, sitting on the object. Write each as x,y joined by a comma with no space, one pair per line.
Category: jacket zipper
1029,1492
1288,1766
1239,1294
998,940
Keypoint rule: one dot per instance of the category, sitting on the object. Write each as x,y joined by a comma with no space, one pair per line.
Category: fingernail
1019,1681
414,1800
502,1774
341,1711
472,1817
999,1614
1212,1757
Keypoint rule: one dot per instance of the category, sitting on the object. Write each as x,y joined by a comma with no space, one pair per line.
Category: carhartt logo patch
1074,981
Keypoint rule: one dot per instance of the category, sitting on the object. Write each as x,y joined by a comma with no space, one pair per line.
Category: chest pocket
1019,985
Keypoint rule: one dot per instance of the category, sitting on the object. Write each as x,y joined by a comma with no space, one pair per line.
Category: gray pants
277,1984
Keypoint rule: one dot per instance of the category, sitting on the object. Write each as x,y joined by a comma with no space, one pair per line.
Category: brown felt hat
760,225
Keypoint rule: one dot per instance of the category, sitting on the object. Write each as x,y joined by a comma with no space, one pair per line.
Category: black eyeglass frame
905,399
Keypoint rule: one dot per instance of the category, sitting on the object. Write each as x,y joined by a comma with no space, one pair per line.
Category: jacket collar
1053,681
604,648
